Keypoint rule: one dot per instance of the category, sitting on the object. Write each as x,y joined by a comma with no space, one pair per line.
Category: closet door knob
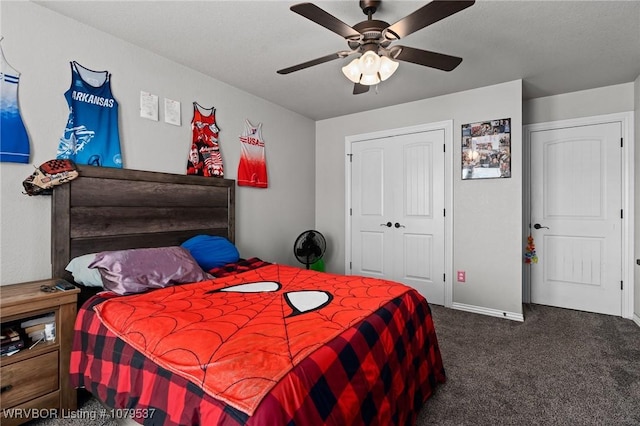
397,225
388,224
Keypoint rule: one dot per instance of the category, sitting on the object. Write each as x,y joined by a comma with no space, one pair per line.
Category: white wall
487,213
585,103
40,44
636,305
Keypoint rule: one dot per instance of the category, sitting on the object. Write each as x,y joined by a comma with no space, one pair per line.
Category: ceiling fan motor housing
371,31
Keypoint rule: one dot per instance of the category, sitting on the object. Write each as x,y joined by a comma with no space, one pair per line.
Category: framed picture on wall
486,149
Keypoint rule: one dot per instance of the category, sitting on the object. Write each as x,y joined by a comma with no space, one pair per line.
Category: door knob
388,224
538,226
397,225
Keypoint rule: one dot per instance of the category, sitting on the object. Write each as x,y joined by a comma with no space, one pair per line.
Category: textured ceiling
553,46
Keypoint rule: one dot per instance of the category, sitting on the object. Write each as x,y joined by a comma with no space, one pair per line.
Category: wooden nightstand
37,378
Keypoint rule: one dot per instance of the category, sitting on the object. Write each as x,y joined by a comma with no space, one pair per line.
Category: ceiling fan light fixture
352,71
387,67
370,69
370,79
370,63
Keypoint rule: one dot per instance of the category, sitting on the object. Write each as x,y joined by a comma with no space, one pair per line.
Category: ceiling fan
373,40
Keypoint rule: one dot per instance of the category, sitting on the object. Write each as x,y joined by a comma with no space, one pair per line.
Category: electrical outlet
462,276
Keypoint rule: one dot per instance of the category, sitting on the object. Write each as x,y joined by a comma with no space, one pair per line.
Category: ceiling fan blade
360,88
320,17
312,62
427,58
426,15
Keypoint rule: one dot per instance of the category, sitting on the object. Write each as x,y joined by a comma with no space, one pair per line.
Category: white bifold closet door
397,223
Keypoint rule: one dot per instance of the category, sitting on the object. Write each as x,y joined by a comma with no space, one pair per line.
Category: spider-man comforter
326,349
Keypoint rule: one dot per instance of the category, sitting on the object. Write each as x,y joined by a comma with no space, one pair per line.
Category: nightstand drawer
19,414
29,379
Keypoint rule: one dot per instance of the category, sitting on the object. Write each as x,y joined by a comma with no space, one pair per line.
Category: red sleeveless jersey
204,156
252,170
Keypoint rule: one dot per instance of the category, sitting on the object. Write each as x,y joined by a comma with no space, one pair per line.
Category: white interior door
371,210
398,211
576,199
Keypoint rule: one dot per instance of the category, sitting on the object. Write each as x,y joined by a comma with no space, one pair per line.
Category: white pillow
82,274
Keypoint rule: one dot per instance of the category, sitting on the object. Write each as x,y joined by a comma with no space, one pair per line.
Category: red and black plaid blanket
378,371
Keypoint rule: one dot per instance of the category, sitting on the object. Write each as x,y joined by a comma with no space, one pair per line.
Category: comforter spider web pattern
238,336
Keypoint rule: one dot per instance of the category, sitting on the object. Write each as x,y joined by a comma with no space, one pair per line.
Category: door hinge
444,212
621,285
621,142
350,266
621,213
444,277
350,212
444,147
350,157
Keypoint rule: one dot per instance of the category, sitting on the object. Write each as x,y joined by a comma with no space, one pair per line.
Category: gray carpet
90,412
559,367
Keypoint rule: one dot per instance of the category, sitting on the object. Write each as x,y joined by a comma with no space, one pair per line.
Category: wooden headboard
116,209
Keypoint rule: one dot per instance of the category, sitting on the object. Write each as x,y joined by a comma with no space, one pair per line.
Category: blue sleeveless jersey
14,141
91,135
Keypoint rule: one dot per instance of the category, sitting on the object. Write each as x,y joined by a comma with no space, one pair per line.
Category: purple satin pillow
138,270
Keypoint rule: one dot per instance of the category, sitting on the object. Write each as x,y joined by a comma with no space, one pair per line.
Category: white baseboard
636,319
488,311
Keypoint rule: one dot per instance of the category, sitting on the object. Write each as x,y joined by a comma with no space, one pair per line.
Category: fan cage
309,247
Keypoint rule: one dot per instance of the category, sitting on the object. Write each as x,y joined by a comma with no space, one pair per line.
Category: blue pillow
211,251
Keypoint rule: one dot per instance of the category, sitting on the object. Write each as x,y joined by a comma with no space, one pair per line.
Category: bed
378,365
